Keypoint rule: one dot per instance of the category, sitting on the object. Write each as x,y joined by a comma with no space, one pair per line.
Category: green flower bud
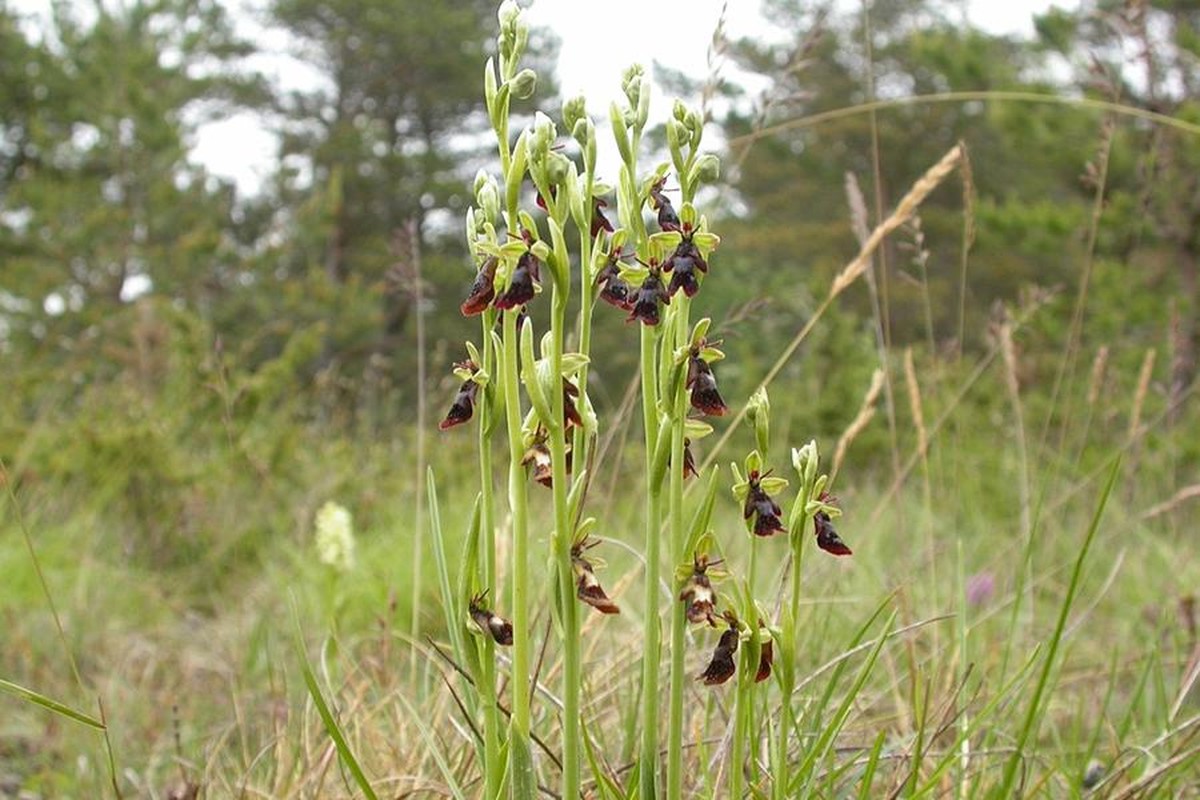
707,168
631,84
679,111
544,133
759,411
523,84
487,195
507,14
574,112
558,168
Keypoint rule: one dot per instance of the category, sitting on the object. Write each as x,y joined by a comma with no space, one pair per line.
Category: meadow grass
1018,618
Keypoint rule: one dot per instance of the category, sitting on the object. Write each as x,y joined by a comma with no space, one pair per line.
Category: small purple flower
980,588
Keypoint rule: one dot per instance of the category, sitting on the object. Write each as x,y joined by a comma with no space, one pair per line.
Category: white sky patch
600,41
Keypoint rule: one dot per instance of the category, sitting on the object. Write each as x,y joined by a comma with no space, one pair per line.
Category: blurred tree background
193,371
163,336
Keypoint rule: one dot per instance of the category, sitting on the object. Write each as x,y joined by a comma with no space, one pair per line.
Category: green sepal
572,363
633,274
696,429
663,243
773,484
705,241
541,251
511,250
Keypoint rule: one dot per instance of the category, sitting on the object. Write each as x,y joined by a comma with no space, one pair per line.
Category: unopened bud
574,111
759,411
523,84
558,167
707,168
508,13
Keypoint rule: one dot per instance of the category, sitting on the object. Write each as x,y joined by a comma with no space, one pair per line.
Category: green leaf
620,133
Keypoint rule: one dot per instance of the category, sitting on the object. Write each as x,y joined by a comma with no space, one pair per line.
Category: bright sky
675,33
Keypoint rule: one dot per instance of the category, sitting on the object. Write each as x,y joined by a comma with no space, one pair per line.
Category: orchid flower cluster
646,255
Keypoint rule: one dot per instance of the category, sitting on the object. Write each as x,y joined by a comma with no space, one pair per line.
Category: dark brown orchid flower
683,264
500,629
648,299
538,455
703,385
698,592
463,406
587,585
668,220
482,290
689,463
599,221
613,290
827,536
759,504
570,410
766,657
521,285
722,665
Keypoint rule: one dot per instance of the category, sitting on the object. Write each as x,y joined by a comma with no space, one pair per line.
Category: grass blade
434,748
40,699
1033,716
331,724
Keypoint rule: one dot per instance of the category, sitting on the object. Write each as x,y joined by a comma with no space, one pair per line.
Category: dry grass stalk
865,413
1009,354
914,401
859,219
904,211
1143,388
1179,498
1004,333
1099,367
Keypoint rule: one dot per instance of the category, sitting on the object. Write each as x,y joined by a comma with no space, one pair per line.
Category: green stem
520,755
587,301
563,535
493,769
648,767
788,724
678,556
